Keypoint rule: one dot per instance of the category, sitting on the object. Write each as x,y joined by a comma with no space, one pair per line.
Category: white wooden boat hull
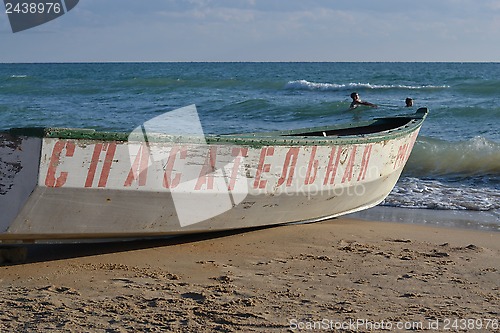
67,188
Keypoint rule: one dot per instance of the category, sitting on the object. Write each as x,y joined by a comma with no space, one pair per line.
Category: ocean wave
411,192
487,112
434,157
307,85
248,108
479,87
450,175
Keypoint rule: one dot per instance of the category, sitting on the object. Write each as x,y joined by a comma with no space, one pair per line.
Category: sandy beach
340,275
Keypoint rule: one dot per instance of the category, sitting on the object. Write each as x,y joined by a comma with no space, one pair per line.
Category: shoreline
460,219
271,279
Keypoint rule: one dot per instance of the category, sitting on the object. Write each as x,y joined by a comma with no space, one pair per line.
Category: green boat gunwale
376,130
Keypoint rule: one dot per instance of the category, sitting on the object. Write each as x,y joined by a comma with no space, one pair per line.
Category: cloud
261,30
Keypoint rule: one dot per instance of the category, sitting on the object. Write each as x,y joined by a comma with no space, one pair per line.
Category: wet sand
340,275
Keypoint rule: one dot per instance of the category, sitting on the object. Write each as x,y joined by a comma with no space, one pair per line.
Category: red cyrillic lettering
206,176
313,165
400,158
331,169
263,167
50,179
364,162
168,181
289,166
238,154
350,166
110,149
139,169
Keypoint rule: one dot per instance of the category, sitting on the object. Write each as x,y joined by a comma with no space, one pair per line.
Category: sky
261,30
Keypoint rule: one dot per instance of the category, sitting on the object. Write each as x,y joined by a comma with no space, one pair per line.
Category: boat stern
19,164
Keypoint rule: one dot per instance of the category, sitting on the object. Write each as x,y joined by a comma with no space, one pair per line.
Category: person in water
409,102
357,101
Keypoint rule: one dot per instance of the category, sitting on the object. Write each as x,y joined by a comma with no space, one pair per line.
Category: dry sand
340,275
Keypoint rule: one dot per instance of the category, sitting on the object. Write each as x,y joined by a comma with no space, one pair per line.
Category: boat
79,184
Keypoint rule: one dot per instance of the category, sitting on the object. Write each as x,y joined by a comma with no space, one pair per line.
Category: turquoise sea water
453,171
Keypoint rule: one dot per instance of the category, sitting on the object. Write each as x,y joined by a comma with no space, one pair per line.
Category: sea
452,178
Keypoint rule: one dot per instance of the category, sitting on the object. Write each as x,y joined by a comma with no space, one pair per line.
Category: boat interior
379,125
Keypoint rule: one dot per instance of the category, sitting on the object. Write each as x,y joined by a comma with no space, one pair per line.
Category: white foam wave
412,192
307,85
435,157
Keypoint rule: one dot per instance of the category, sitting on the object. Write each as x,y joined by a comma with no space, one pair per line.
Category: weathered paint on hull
75,214
99,189
19,161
